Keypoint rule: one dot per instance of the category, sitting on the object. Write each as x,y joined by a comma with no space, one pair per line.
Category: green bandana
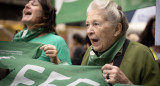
106,56
25,35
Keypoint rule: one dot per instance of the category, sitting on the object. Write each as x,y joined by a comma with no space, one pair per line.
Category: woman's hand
115,75
51,52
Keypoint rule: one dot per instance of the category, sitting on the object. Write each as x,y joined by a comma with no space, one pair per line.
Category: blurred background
71,15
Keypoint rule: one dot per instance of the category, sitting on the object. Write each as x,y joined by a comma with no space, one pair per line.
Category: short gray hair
113,12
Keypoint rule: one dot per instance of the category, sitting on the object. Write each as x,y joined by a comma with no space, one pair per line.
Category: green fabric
138,65
141,66
86,56
30,34
129,5
19,50
72,11
61,46
125,85
75,10
107,56
26,71
50,38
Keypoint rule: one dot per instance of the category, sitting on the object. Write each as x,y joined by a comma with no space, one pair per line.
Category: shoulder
137,52
55,38
139,62
137,47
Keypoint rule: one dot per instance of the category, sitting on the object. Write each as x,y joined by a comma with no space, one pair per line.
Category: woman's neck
31,27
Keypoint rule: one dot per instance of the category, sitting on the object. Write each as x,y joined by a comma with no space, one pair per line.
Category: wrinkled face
32,12
100,31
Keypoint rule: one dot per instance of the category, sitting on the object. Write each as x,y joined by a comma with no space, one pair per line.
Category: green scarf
25,35
107,56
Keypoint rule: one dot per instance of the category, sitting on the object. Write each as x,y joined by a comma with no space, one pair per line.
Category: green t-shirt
61,46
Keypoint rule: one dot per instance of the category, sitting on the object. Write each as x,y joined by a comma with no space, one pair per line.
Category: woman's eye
34,4
95,24
87,25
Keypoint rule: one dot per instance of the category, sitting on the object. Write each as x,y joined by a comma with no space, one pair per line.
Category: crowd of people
123,61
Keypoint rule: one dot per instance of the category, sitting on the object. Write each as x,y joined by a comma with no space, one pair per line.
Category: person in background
77,49
122,61
147,38
132,36
39,20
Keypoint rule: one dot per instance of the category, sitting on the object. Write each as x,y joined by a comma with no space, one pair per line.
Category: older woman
123,61
39,20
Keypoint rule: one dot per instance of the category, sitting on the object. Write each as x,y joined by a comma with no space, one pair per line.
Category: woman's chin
24,21
96,48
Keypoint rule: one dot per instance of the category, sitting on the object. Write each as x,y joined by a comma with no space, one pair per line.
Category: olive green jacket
138,65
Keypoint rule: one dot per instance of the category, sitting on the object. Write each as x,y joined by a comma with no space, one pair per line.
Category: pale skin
31,15
102,35
51,52
115,75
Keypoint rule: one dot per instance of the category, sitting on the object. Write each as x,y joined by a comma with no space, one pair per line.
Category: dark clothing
78,55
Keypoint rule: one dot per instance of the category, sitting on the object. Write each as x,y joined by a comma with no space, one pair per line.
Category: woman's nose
27,5
90,30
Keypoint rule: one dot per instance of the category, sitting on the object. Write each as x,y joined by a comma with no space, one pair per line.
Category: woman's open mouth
94,41
28,13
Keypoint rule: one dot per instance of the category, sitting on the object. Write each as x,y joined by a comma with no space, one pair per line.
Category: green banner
72,11
128,5
75,10
26,70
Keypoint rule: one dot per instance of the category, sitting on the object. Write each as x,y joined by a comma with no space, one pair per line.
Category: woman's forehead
96,15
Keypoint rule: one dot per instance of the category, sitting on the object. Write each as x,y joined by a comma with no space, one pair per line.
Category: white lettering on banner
54,76
11,52
20,79
20,76
7,57
87,81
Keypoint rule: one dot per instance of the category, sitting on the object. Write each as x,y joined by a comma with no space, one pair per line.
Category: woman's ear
118,30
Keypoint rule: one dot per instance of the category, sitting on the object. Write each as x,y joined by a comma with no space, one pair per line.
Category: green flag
75,10
25,70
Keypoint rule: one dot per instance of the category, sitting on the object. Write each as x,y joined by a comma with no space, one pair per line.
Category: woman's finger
48,47
51,52
107,67
42,47
51,55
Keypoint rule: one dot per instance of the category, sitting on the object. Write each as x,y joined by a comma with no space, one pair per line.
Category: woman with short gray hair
122,61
